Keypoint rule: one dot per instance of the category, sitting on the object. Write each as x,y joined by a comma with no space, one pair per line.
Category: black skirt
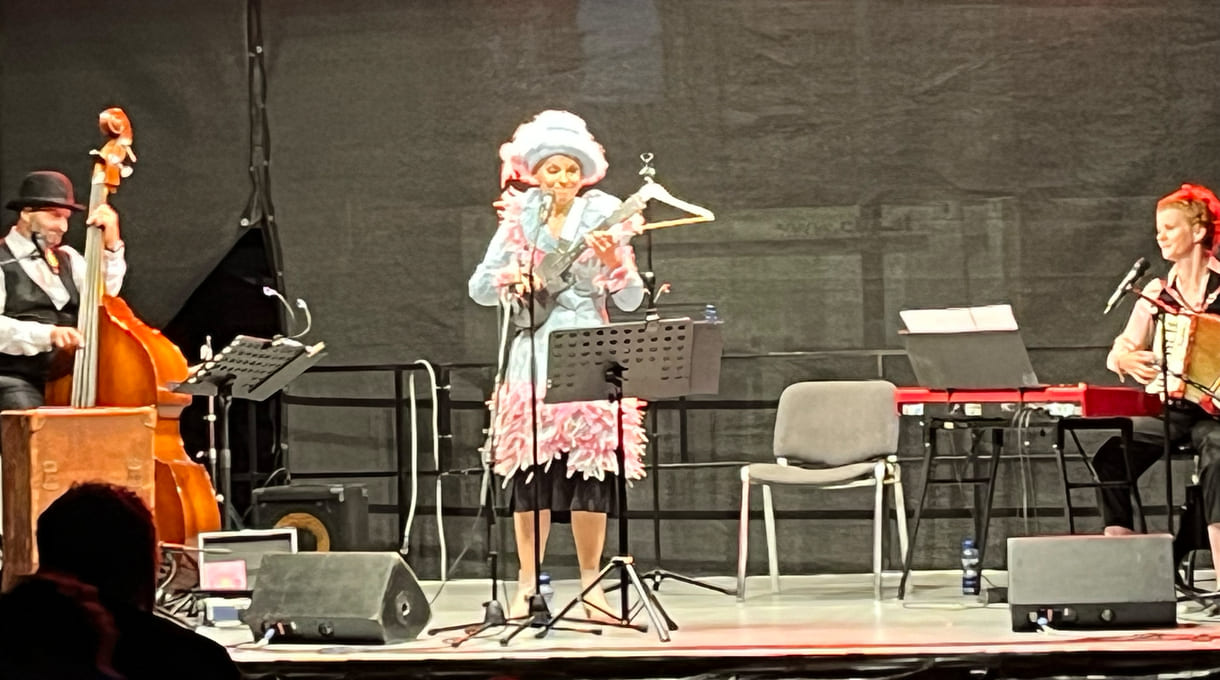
560,494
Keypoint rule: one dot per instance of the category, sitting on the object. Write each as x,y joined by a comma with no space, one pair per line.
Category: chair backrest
835,423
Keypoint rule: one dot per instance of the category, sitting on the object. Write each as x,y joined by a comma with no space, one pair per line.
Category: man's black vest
26,301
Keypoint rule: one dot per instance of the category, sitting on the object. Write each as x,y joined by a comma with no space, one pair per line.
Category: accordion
1193,357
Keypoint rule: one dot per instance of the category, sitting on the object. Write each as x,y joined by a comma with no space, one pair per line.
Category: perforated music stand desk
247,368
252,368
661,359
648,360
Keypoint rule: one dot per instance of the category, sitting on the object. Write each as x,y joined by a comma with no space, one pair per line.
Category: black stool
1072,425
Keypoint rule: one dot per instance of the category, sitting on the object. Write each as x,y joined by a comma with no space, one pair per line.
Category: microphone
40,245
32,256
40,250
1137,270
544,210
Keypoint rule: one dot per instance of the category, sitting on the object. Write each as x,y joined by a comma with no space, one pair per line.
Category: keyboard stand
984,485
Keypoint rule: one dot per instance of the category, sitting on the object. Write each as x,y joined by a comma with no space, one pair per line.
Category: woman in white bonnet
576,471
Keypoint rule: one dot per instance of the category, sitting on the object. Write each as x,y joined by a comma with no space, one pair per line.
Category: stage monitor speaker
353,597
326,516
1091,582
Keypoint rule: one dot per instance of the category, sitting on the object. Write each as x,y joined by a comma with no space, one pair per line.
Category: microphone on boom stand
1137,270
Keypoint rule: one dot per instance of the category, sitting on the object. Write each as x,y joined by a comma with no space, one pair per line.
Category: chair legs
878,525
888,473
885,473
743,535
769,524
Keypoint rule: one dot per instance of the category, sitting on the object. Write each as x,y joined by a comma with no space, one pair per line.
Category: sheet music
987,318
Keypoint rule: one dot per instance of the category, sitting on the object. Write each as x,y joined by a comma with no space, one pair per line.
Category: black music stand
649,360
967,348
974,360
247,368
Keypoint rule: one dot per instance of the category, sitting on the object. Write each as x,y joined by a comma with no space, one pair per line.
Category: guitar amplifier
47,450
326,516
1091,582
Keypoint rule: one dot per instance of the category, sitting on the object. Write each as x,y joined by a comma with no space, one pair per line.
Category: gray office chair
829,435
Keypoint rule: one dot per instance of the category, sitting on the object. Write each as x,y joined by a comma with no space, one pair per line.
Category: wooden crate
47,450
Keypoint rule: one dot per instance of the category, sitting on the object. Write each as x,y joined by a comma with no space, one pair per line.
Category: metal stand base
657,576
648,602
539,616
493,617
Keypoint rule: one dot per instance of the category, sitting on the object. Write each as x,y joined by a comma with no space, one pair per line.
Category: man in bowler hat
41,283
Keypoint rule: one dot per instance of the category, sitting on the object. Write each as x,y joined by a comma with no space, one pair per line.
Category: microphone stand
538,614
205,355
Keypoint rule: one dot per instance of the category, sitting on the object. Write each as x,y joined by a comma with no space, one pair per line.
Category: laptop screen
229,560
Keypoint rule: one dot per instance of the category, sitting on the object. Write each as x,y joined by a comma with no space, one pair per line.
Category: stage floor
815,625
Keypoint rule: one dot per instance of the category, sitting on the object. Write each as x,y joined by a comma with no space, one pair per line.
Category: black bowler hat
45,189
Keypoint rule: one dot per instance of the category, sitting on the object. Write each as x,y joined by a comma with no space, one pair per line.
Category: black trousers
1187,424
17,393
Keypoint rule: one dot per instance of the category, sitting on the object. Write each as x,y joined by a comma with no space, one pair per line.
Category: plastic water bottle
970,567
546,589
710,314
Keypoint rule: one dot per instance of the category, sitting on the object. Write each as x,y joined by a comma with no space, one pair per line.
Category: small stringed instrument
555,269
123,362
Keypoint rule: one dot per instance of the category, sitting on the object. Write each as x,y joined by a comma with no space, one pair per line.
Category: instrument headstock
114,159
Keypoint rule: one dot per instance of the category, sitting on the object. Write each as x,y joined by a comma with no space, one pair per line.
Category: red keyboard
1090,401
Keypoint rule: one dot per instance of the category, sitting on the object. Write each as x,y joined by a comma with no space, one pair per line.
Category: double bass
123,362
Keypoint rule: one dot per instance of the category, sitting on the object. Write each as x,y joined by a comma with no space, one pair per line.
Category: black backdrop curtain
862,157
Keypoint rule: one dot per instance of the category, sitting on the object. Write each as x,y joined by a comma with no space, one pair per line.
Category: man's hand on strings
1141,365
605,246
107,220
66,337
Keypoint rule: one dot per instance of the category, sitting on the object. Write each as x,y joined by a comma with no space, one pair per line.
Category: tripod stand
623,562
493,611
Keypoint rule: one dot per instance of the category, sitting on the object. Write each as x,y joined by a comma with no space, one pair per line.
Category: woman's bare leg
523,525
589,532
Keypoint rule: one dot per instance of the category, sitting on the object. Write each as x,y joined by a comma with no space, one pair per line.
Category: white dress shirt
31,337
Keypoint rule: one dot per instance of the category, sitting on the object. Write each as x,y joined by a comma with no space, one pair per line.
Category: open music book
988,318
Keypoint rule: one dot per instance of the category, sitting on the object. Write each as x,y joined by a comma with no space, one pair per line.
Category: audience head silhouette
52,626
104,536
